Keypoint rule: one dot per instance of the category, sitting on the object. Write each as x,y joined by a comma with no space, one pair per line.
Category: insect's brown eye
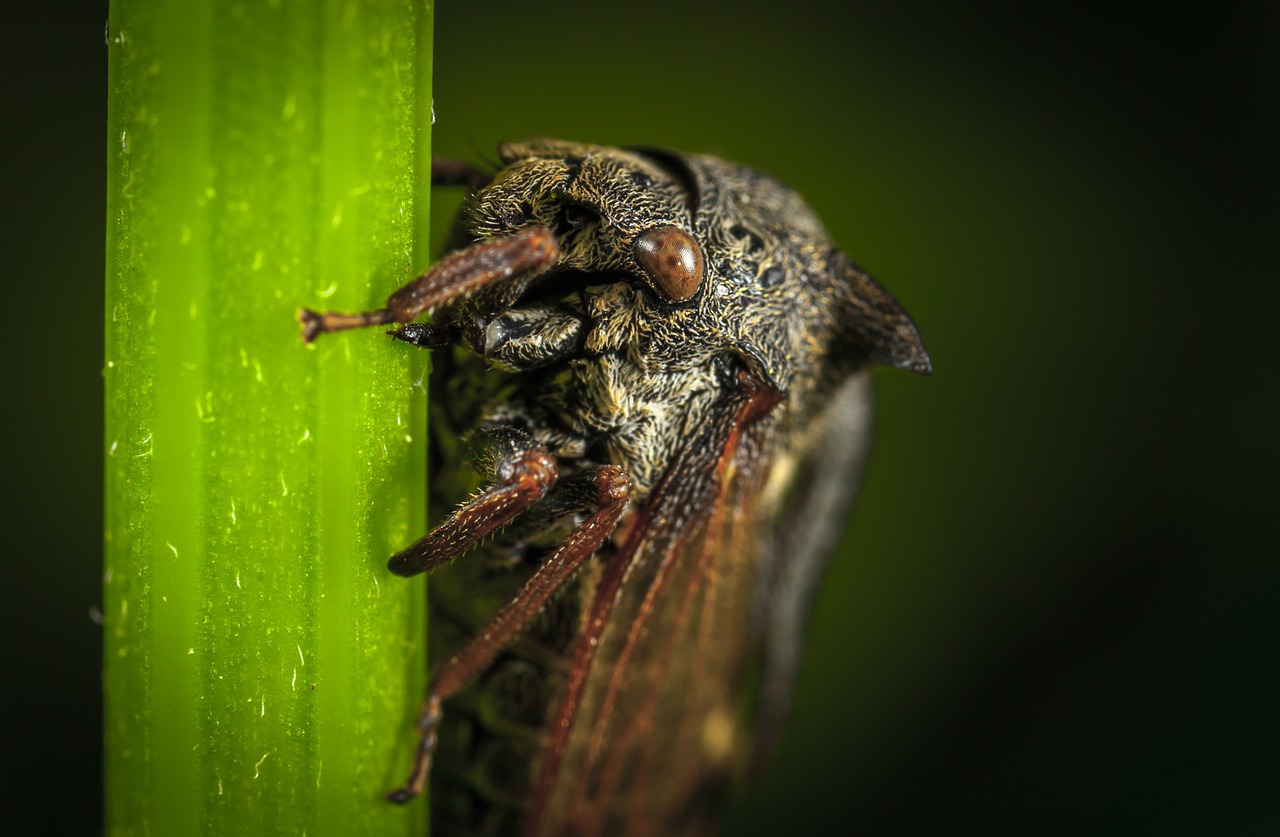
673,260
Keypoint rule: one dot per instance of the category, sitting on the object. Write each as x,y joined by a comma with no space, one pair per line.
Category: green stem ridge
263,668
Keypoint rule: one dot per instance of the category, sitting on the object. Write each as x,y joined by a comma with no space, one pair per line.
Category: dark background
1057,609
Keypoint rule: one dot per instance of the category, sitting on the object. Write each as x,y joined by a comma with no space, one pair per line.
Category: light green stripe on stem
262,666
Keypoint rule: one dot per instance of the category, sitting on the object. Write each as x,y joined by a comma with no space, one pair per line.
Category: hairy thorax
628,398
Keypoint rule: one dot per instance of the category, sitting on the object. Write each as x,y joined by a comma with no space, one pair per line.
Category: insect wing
656,732
807,501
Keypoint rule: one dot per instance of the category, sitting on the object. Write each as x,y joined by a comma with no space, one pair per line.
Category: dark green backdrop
1055,609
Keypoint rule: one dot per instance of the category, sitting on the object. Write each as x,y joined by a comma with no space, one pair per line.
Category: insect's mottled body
692,358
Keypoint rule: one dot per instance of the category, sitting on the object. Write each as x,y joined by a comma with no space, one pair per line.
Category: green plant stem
263,669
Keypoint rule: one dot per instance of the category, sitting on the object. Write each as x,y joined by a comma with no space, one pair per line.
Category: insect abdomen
493,732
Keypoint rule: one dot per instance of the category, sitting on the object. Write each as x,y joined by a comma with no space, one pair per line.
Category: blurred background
1056,608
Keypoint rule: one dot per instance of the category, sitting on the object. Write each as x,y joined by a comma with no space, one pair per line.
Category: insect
659,363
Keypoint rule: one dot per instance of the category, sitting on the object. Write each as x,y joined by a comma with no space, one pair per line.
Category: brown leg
529,251
522,473
446,171
612,490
